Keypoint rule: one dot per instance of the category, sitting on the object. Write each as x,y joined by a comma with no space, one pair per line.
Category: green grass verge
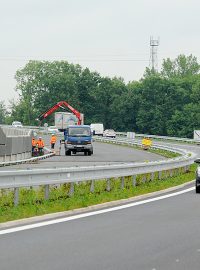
32,201
161,152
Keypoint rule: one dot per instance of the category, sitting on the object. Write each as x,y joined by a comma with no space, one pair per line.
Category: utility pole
153,63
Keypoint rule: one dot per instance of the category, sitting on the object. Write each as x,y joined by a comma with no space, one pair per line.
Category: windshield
79,131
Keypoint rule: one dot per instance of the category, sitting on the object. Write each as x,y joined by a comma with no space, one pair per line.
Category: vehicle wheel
68,153
89,153
74,153
197,188
85,153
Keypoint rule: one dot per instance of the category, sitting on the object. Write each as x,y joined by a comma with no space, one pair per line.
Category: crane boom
59,105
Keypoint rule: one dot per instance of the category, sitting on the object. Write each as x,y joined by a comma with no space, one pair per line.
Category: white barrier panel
131,135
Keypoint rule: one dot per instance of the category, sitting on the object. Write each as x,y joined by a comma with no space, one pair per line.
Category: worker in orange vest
34,142
40,145
53,140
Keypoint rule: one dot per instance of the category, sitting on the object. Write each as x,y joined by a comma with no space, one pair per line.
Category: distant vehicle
17,124
109,133
97,129
65,119
52,129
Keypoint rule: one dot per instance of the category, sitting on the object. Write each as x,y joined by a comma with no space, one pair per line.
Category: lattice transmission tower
153,63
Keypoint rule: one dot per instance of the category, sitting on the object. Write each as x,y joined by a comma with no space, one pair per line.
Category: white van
97,129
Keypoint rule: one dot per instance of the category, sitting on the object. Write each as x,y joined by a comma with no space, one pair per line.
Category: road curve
103,154
161,234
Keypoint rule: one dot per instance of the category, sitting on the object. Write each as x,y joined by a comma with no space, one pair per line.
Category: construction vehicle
77,138
58,105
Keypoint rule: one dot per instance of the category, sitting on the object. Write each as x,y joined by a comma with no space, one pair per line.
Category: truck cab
78,138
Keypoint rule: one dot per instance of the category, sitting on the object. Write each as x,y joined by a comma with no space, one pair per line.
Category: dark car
198,177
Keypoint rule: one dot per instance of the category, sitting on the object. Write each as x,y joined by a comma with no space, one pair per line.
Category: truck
78,138
58,105
64,119
97,129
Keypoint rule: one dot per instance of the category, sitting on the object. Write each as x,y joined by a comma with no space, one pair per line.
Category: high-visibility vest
53,139
40,143
34,142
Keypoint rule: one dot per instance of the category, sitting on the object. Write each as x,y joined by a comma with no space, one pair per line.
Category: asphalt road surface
103,154
157,235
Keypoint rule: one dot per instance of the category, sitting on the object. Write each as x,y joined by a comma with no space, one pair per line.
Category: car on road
197,184
53,129
109,133
17,124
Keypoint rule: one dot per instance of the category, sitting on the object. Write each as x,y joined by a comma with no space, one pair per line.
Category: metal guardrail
28,160
37,177
168,138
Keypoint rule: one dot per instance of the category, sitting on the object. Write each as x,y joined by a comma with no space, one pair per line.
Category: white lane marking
98,212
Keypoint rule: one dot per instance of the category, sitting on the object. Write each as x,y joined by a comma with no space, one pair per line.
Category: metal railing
47,177
168,138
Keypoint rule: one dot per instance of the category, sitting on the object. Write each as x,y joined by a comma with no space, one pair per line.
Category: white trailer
97,129
64,119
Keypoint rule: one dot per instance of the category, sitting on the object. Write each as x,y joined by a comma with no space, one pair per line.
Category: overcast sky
108,36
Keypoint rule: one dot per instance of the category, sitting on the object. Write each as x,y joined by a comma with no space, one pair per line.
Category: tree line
161,103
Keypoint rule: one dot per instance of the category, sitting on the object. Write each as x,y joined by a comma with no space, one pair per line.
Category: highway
160,233
103,154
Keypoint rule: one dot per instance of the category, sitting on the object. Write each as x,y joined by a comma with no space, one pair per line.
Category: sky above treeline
111,37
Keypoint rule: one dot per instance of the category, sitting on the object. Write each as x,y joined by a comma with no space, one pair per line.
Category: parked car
17,124
109,133
53,129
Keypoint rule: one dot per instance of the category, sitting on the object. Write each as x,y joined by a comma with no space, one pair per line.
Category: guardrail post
171,173
46,192
134,180
152,176
144,178
92,186
71,190
122,182
160,175
186,169
108,185
16,196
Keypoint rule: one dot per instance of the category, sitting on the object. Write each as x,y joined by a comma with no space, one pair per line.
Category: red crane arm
59,105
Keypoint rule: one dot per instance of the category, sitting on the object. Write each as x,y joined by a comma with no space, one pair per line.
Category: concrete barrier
15,143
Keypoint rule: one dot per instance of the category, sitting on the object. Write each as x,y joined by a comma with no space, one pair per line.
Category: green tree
3,112
182,66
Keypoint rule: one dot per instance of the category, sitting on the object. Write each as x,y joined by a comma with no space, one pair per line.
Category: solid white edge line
98,212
